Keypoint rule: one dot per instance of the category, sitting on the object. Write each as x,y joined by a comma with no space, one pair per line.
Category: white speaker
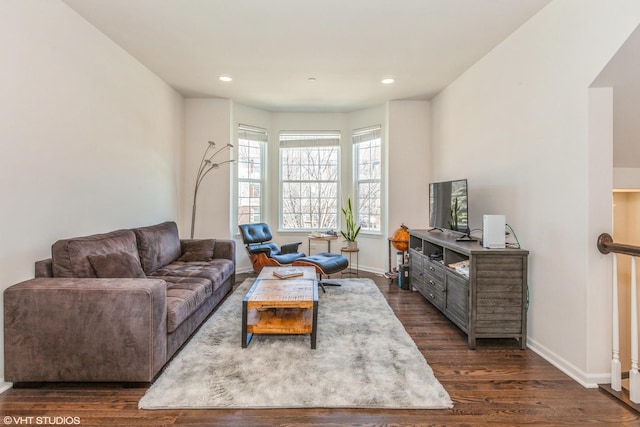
493,231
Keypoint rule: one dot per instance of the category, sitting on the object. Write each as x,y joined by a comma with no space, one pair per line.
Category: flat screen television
448,206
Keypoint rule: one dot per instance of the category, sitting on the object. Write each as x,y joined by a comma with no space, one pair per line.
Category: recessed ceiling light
387,81
225,78
312,79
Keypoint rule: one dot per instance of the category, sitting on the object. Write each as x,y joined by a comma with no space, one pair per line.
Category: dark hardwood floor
496,384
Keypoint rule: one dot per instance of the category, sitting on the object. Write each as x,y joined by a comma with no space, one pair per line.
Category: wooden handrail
607,245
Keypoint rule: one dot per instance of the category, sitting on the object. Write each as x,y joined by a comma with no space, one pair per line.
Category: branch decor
206,165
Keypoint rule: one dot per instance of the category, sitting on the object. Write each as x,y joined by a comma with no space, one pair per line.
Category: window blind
309,139
252,133
367,134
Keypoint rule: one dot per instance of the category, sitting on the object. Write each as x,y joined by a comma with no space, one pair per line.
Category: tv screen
448,209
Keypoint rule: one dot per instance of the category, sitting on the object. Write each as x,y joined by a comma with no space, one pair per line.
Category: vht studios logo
40,421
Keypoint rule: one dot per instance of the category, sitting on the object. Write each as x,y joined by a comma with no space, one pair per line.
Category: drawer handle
431,268
431,282
432,296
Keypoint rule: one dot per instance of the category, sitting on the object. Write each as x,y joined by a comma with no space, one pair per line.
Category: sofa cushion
184,296
158,245
216,270
70,255
115,265
197,250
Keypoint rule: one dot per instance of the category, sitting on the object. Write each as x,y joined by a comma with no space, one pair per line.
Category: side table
324,237
351,270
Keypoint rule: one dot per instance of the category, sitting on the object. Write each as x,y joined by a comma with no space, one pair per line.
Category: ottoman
325,263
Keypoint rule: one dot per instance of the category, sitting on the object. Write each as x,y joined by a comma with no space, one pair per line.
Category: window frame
360,136
260,136
313,139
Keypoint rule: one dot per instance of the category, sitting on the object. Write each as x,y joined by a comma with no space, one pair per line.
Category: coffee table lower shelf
280,307
280,321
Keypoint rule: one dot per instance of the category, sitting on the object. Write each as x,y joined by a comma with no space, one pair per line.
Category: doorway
626,229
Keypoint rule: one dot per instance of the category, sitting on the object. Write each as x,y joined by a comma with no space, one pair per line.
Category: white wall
516,125
404,123
600,219
409,165
91,140
207,120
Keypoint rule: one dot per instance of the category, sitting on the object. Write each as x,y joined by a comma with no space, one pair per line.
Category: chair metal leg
324,283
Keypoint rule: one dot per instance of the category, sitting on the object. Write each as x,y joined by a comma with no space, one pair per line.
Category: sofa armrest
225,249
85,330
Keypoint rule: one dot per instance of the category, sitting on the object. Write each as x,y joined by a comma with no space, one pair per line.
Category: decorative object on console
493,231
352,231
400,241
206,166
400,238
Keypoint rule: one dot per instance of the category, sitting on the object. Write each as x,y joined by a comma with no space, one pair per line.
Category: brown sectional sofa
113,307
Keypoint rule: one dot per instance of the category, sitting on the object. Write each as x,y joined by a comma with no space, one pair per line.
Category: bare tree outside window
309,165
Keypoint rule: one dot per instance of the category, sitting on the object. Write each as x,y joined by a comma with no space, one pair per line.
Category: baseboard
4,386
578,375
363,268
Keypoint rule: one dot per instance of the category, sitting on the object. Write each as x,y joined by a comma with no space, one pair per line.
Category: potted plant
352,231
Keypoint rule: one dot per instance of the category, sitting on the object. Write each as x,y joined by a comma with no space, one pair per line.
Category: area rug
364,359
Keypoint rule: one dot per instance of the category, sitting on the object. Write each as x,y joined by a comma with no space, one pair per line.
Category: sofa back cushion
158,245
70,256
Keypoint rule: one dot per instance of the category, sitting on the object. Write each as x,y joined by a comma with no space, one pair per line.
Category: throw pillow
116,265
200,250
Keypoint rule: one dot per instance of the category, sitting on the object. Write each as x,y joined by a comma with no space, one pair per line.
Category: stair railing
607,245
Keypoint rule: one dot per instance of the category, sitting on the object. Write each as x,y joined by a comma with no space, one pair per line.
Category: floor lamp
206,166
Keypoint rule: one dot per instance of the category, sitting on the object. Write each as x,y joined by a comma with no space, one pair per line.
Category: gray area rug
364,359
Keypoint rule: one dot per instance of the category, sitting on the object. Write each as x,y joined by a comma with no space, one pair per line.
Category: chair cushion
328,263
158,245
287,258
255,233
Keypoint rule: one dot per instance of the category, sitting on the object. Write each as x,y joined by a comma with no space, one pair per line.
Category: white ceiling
272,48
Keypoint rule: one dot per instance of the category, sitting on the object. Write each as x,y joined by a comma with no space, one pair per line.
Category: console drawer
434,292
435,268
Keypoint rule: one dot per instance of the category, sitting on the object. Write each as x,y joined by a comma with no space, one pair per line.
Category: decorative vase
352,245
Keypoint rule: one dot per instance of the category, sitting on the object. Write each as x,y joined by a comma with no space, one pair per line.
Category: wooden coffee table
281,306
